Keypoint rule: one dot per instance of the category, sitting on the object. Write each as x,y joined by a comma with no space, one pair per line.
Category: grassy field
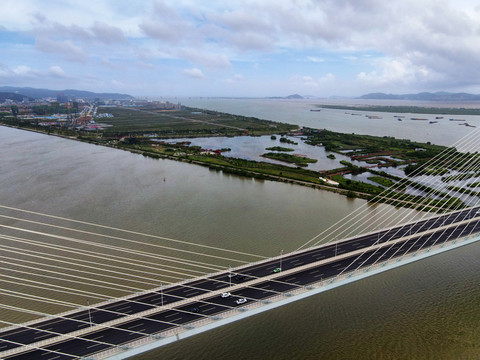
297,160
139,130
279,148
183,122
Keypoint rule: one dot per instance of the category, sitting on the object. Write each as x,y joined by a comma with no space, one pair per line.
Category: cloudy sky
241,47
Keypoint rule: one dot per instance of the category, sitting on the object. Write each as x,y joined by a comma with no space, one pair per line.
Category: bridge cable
131,232
113,258
363,208
358,213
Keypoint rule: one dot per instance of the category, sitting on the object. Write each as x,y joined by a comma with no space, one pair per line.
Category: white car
226,294
241,301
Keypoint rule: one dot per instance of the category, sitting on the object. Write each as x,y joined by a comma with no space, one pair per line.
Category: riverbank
268,171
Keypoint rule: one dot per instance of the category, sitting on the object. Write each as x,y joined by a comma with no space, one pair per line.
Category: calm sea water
426,310
444,132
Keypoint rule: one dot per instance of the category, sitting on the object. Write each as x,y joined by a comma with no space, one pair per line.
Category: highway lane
179,292
288,262
80,348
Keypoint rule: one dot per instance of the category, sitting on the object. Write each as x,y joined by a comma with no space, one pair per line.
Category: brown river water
425,310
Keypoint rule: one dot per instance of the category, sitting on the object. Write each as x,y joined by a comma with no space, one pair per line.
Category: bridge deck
170,310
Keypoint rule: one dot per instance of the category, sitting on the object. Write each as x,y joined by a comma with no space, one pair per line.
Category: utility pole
89,314
161,292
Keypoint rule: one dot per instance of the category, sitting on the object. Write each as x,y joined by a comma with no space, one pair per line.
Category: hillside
71,93
13,96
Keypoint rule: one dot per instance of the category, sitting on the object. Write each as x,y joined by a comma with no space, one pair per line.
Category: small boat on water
438,117
433,122
418,119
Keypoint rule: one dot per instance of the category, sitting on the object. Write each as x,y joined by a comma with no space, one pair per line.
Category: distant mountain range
294,96
70,93
13,96
437,96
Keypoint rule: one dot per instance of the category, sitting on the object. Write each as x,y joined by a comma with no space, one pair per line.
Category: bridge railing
181,329
323,283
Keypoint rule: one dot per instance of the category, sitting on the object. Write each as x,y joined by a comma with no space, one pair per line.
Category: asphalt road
211,306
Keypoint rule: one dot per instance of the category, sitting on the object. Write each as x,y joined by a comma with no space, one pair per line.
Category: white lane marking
134,326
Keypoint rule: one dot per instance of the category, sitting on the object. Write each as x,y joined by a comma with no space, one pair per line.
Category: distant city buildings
77,114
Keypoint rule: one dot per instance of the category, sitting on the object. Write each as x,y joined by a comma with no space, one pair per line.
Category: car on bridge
226,295
241,301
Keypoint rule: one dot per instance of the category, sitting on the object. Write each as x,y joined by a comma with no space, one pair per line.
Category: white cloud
426,44
23,70
308,81
194,73
66,49
145,65
109,63
315,59
235,79
396,72
117,83
206,59
107,34
161,31
25,75
57,71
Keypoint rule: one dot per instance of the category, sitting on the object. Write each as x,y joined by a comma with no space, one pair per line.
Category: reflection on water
427,310
252,147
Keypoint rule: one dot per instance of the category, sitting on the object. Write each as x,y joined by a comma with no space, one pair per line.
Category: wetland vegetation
152,132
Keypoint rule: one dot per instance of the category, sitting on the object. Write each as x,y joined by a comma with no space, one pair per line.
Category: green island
288,141
405,109
294,159
279,148
151,132
382,181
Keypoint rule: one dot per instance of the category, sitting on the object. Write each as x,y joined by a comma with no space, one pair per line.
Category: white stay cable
444,156
132,232
68,278
163,257
113,258
122,279
80,262
110,247
392,245
349,218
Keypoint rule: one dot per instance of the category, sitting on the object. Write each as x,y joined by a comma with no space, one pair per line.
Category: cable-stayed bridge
156,312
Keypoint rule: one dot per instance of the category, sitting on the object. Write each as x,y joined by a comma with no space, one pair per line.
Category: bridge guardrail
293,293
234,311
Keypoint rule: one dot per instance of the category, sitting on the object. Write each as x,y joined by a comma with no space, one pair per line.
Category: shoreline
258,175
